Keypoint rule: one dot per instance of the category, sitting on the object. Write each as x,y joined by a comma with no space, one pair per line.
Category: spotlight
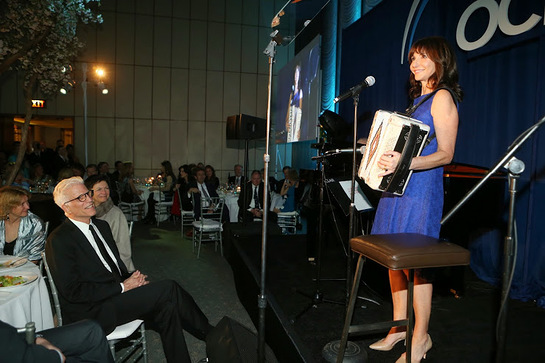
102,88
67,87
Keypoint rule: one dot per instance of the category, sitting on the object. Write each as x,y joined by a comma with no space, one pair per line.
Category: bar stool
401,251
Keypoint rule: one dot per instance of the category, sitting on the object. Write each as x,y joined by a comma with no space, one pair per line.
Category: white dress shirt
252,199
84,228
204,194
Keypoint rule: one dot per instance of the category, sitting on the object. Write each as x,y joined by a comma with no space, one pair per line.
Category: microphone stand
331,349
270,51
515,167
351,214
318,296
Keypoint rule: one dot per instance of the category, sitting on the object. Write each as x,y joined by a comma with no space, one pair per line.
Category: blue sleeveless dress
420,208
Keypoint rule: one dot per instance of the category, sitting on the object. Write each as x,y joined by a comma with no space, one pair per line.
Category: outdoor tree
38,39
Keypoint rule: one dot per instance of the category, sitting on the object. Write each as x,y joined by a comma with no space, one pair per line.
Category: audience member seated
201,190
107,211
104,168
280,183
211,177
39,176
238,179
290,192
78,169
93,282
21,182
166,180
127,189
250,200
83,341
182,186
22,233
91,169
65,173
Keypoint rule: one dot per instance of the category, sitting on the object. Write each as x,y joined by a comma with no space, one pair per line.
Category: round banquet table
30,302
156,196
231,201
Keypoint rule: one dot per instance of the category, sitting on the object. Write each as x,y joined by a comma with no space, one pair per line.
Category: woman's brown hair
446,72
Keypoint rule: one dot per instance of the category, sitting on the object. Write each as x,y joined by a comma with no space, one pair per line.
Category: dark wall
504,91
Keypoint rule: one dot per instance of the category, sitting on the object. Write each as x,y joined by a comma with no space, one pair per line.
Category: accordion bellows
392,131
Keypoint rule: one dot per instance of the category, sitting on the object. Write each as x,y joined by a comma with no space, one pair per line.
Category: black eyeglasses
82,197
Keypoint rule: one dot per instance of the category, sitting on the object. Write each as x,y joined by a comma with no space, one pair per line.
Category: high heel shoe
403,359
383,346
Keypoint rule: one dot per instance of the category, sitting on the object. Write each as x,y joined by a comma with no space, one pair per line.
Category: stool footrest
376,327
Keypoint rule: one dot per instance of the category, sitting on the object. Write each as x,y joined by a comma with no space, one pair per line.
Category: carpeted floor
162,253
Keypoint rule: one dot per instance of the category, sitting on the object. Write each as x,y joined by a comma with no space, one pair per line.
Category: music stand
341,191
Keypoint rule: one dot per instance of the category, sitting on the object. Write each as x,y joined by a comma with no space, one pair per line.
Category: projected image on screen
298,96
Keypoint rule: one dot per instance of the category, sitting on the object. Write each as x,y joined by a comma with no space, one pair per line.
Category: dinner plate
28,278
5,262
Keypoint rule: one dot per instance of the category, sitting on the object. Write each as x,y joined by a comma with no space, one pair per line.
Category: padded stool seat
405,251
402,251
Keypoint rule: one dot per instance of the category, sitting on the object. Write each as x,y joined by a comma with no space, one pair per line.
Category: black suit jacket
16,349
197,197
232,180
83,283
245,198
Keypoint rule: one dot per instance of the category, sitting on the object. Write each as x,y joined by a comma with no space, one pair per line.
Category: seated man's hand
257,212
137,279
46,344
194,190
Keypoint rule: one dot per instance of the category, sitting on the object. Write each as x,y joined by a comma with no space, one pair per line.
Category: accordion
392,131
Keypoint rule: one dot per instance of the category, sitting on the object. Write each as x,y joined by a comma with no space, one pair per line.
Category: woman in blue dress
419,210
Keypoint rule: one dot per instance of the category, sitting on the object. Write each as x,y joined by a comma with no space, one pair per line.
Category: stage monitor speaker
245,127
231,342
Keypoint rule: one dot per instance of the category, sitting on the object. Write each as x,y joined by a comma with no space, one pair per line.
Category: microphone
359,150
367,82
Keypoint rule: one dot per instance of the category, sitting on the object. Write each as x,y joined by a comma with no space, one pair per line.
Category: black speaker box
245,127
231,342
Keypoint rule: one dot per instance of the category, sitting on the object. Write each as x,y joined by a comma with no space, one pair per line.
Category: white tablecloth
21,304
145,195
231,201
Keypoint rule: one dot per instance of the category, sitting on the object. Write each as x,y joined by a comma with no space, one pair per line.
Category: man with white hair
238,179
93,282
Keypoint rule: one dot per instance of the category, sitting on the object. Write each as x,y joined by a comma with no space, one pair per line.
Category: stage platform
462,328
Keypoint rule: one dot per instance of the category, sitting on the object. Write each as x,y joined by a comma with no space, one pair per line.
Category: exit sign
38,103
